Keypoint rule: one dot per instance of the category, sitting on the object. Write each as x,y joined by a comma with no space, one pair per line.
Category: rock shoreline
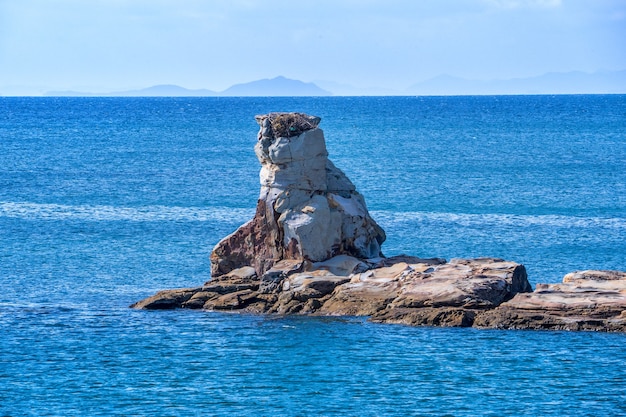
312,248
482,293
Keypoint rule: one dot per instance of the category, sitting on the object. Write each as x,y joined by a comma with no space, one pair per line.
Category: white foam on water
38,211
491,219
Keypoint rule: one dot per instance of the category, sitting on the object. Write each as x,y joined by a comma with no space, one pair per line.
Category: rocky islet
313,248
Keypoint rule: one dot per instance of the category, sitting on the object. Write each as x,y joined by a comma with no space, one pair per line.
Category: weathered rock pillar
308,210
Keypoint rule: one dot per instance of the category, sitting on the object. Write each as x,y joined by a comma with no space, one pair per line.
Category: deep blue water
104,201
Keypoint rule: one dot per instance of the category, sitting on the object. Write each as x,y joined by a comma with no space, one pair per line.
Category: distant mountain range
575,82
279,86
602,82
165,90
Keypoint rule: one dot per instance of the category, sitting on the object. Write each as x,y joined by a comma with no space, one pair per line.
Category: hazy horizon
552,83
103,46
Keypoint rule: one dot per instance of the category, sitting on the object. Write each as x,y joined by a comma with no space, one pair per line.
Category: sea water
104,201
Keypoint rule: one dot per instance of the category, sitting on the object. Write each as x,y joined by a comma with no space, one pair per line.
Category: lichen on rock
275,125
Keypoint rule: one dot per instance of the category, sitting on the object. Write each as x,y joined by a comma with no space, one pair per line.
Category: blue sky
107,45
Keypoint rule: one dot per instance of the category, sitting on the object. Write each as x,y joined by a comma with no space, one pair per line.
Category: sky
114,45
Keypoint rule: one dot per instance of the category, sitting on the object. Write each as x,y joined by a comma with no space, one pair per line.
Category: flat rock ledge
482,293
585,300
401,289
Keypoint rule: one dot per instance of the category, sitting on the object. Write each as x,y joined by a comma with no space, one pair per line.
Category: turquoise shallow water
103,201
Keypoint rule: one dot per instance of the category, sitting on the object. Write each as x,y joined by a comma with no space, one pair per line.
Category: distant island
575,82
279,86
165,90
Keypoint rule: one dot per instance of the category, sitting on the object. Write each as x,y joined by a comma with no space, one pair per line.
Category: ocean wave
38,211
495,219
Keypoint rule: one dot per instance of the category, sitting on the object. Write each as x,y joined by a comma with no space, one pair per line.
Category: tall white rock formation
308,210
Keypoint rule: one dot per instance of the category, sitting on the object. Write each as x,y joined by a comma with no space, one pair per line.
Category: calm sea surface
104,201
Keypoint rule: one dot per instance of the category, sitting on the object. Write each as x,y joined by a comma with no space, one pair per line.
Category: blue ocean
104,201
